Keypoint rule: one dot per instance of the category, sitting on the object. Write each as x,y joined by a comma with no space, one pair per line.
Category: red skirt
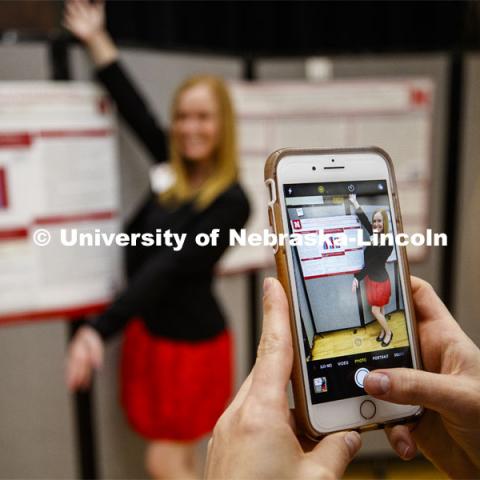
378,293
174,389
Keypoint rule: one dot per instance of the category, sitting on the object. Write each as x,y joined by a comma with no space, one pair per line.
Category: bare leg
377,313
170,460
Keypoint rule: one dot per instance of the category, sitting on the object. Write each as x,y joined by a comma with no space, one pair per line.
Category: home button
367,409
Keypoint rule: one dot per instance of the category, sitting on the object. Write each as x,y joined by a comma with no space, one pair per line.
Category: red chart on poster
58,171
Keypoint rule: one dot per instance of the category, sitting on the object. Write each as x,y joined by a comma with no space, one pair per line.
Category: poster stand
83,400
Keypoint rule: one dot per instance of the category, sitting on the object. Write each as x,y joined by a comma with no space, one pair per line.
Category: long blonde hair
384,215
225,161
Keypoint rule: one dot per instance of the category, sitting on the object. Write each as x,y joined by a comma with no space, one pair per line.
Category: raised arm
86,21
361,214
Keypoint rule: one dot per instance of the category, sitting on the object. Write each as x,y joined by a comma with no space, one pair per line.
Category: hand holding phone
255,437
350,299
448,434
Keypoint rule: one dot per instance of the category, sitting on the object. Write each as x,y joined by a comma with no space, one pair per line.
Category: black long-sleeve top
375,256
171,291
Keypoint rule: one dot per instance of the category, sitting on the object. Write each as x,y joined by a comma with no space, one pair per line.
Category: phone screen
350,298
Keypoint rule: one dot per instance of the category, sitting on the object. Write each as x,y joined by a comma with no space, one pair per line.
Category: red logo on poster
297,224
103,105
419,97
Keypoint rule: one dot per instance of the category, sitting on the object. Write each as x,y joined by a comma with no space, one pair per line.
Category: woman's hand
254,437
85,353
449,431
86,21
353,198
83,19
354,285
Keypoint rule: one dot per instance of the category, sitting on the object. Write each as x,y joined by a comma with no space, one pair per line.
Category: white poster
395,115
58,170
335,251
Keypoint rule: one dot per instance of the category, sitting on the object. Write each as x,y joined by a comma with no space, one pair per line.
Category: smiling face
377,223
196,124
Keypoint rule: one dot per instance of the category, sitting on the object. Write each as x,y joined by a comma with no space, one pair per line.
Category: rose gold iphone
347,281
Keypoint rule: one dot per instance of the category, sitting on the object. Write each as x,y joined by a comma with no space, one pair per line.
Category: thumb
275,353
413,387
336,451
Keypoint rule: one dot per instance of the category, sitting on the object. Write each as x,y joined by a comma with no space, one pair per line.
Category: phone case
299,389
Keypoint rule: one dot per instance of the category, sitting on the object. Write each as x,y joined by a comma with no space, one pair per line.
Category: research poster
58,170
346,113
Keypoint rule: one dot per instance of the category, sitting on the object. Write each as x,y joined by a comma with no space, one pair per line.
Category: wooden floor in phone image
360,339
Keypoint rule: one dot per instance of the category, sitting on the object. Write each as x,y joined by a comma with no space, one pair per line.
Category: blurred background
48,433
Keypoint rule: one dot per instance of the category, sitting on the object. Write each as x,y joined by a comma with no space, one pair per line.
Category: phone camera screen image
349,293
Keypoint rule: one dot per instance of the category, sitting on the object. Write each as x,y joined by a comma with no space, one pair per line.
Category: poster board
58,169
394,114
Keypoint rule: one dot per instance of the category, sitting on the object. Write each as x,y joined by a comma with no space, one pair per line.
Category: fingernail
403,449
267,285
353,441
377,383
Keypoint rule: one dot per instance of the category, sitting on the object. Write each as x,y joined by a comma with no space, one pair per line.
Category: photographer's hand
449,431
254,438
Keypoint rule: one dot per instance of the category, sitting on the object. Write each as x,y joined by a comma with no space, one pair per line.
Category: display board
58,170
337,253
343,113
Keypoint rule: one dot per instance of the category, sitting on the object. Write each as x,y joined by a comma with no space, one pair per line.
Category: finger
407,386
428,305
68,17
74,9
336,451
275,354
82,8
402,441
74,375
80,372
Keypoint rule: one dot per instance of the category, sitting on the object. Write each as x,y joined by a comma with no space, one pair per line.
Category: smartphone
350,302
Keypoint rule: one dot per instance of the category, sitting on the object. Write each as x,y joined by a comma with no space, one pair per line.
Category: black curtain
296,27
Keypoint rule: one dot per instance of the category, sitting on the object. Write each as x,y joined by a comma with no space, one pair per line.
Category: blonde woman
374,273
177,355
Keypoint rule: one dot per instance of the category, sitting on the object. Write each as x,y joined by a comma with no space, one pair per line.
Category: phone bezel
297,167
